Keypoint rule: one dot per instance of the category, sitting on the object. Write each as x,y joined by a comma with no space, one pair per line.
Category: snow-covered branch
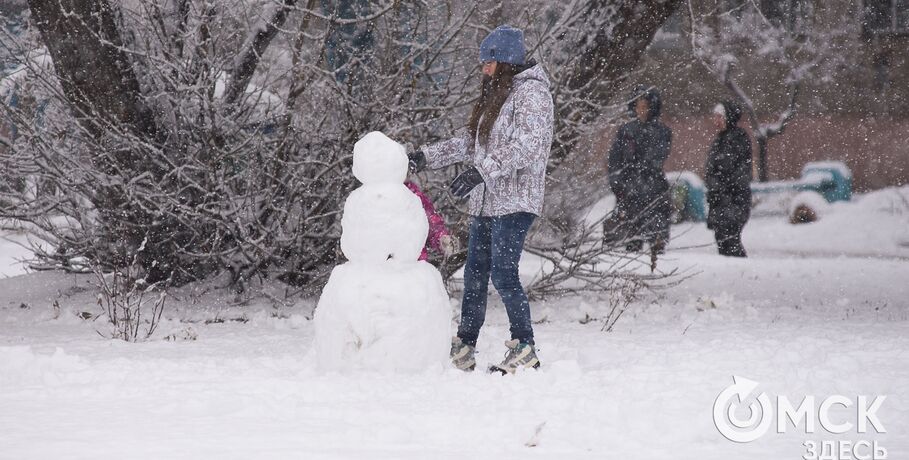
721,41
260,37
226,141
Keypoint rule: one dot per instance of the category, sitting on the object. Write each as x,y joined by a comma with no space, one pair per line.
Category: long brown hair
495,90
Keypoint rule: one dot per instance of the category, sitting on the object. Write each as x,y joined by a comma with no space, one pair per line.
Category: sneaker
462,355
520,355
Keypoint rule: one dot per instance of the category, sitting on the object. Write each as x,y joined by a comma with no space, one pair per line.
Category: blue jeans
494,250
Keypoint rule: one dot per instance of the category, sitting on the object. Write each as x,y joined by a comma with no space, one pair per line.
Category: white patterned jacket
513,163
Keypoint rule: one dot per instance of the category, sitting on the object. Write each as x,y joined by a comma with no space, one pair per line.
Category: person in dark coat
636,176
729,177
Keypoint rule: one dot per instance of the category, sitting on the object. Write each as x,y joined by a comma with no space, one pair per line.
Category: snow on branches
721,38
220,132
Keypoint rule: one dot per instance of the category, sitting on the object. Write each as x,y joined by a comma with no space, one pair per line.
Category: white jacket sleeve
454,150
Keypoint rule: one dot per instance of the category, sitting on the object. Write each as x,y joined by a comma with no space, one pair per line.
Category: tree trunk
763,174
252,53
94,71
105,97
616,51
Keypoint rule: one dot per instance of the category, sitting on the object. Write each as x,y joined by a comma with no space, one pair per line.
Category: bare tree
720,38
218,135
124,300
587,263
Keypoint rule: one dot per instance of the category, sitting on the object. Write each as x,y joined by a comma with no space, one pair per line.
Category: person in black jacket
636,176
728,180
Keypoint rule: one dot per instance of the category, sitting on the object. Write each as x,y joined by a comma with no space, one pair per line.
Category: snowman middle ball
383,222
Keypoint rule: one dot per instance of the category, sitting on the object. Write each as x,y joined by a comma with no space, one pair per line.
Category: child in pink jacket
439,239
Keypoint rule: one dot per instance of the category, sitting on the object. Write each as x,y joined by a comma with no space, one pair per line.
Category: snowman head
377,159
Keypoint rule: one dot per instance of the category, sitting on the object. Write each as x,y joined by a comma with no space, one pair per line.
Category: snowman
384,309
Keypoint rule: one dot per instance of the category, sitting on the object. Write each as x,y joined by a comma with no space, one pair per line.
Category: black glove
465,182
416,161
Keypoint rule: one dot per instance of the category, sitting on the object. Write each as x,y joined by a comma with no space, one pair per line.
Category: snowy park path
247,388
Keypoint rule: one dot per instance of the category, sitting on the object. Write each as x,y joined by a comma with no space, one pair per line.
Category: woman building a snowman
506,141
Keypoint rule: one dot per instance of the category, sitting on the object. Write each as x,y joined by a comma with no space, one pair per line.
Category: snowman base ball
383,310
396,319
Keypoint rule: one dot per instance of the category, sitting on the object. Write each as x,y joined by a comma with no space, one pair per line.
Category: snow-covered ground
819,309
13,251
